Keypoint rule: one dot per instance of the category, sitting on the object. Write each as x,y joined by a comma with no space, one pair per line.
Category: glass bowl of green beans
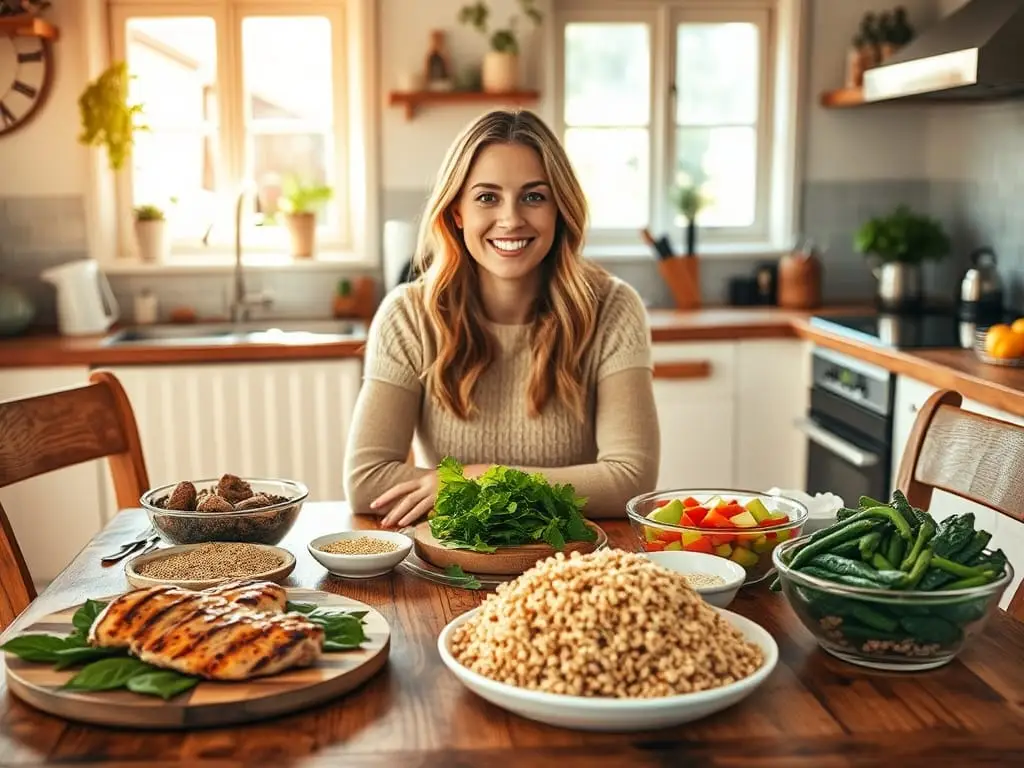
888,587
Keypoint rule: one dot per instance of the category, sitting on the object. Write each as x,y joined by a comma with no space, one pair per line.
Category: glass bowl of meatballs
228,508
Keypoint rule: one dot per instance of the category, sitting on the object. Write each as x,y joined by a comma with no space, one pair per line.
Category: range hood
974,53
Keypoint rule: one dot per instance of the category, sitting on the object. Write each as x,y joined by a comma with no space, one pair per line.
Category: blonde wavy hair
564,315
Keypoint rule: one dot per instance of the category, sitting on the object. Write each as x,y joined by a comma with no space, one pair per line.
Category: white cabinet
273,419
696,415
1007,534
732,424
56,514
772,384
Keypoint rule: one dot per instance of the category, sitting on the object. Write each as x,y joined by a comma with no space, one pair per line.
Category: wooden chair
975,457
53,430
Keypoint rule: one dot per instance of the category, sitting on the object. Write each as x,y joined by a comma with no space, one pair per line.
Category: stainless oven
848,427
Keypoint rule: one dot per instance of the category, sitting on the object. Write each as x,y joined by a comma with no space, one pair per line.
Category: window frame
781,26
353,176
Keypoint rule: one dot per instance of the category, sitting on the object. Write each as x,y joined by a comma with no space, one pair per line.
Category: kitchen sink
253,332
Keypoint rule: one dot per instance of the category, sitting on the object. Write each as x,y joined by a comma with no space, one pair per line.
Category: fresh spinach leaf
86,615
164,683
35,647
343,630
70,656
504,507
461,578
107,674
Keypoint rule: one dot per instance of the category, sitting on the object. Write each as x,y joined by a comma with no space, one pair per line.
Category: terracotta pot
500,72
151,238
302,229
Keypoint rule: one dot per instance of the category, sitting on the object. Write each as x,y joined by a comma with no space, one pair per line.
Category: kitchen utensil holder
682,276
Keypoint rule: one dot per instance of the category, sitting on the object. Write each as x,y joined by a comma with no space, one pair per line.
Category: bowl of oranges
1001,344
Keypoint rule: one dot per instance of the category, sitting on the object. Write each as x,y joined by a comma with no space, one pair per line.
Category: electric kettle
82,291
981,290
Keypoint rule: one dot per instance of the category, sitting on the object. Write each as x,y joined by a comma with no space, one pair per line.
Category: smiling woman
510,349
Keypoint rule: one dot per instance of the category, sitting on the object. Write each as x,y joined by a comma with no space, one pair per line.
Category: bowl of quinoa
199,566
608,641
360,554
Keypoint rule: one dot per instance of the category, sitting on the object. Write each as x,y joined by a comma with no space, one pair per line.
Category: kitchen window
240,99
656,94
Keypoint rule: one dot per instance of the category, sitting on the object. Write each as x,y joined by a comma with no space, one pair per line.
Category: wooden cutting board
505,561
209,703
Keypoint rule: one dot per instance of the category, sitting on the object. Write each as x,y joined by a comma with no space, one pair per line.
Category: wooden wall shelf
27,25
843,97
413,100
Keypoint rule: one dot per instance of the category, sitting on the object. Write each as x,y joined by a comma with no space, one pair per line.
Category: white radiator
277,419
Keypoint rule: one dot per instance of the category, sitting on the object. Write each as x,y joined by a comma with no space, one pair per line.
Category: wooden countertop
952,368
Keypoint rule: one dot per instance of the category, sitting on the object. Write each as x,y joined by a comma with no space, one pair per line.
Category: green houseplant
299,204
500,71
107,117
897,245
151,232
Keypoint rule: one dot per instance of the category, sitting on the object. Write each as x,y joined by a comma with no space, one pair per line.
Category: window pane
287,65
612,165
289,101
607,74
722,161
173,63
717,74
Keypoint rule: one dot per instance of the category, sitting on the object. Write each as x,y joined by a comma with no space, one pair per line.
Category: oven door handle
844,449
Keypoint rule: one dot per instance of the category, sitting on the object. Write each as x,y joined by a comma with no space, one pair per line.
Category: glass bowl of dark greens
889,587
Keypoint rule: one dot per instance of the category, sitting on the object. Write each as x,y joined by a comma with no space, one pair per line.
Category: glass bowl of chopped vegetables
229,508
743,526
888,587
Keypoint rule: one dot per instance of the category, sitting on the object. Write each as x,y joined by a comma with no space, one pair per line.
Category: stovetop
919,331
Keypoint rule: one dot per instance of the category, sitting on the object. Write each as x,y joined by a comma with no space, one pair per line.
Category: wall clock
26,73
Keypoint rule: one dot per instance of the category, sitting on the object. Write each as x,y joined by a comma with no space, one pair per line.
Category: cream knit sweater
609,457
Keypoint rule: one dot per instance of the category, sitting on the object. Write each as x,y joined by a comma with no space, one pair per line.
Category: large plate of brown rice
608,641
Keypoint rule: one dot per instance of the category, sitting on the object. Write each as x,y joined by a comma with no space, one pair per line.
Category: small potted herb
896,246
151,236
500,72
689,199
299,204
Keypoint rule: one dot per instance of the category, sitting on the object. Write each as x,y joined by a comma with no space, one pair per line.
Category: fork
147,537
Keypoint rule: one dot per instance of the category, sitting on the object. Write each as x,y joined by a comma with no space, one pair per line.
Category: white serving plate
606,714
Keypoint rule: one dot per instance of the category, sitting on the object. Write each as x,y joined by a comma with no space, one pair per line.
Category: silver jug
899,285
981,289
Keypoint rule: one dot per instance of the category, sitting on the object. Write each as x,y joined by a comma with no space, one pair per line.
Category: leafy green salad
504,507
108,669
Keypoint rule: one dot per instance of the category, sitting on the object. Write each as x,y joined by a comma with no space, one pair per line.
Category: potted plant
690,200
107,117
896,246
500,71
299,204
151,233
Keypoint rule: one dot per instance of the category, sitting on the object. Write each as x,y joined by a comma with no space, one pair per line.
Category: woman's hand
414,499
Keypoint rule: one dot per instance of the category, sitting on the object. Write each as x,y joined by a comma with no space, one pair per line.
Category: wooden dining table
814,710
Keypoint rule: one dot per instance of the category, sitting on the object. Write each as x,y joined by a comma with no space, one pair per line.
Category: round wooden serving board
505,561
208,703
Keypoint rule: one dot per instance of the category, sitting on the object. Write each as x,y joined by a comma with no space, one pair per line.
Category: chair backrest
49,431
975,457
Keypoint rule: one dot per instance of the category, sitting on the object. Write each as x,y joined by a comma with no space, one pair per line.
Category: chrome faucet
241,301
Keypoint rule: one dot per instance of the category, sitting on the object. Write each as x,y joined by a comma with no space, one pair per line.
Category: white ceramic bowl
700,562
591,713
360,566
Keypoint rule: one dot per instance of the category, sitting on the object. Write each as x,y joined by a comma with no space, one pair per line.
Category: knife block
682,276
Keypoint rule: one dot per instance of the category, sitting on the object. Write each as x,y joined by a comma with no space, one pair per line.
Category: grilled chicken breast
208,635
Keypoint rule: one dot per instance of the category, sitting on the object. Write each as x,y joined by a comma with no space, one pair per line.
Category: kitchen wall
856,162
